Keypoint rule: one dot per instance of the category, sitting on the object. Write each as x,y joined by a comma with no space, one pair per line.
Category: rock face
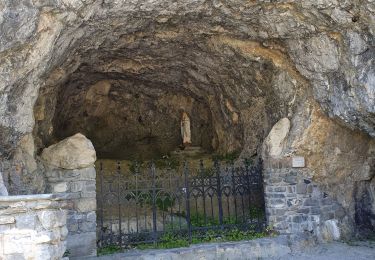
123,122
119,71
74,152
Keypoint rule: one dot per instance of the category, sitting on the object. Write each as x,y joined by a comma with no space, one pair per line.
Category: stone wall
81,216
33,226
296,204
69,167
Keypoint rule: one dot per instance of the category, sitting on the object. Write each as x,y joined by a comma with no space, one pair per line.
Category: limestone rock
274,143
74,152
3,189
330,230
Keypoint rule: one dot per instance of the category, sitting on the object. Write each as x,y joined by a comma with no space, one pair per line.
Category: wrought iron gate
139,204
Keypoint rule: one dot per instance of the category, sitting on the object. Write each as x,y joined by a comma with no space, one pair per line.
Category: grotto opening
270,79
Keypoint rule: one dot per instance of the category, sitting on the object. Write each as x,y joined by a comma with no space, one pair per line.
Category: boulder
274,143
3,189
74,152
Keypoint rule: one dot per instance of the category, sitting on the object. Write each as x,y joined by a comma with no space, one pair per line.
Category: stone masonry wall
33,226
81,216
295,204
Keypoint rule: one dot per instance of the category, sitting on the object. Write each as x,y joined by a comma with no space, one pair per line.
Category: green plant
66,253
167,240
107,250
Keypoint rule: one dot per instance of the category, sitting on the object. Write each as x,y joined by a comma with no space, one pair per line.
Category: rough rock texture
123,120
74,152
247,63
335,185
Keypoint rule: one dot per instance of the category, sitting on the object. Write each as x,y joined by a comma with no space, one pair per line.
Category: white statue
185,129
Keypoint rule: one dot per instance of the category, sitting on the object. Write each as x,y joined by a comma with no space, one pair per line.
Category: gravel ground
336,251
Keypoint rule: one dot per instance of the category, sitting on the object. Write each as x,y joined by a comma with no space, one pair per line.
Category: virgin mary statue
185,129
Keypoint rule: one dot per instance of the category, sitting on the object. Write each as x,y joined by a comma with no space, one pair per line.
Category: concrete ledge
253,249
56,196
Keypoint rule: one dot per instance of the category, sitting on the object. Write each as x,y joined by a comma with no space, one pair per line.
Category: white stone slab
298,161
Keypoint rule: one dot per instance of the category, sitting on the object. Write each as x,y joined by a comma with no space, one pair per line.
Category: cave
127,97
288,82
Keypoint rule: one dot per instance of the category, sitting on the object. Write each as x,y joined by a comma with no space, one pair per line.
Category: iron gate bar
187,200
165,191
217,168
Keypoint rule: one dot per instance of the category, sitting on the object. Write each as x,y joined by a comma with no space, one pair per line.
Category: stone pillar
70,168
33,226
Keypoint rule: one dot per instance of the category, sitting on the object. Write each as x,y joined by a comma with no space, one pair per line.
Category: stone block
91,194
17,241
82,244
301,188
70,175
280,189
77,186
303,210
60,187
315,210
6,227
274,180
291,179
299,218
91,216
72,226
52,218
277,203
90,186
294,202
7,220
327,215
85,204
48,251
311,202
46,237
87,226
26,221
275,195
88,173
